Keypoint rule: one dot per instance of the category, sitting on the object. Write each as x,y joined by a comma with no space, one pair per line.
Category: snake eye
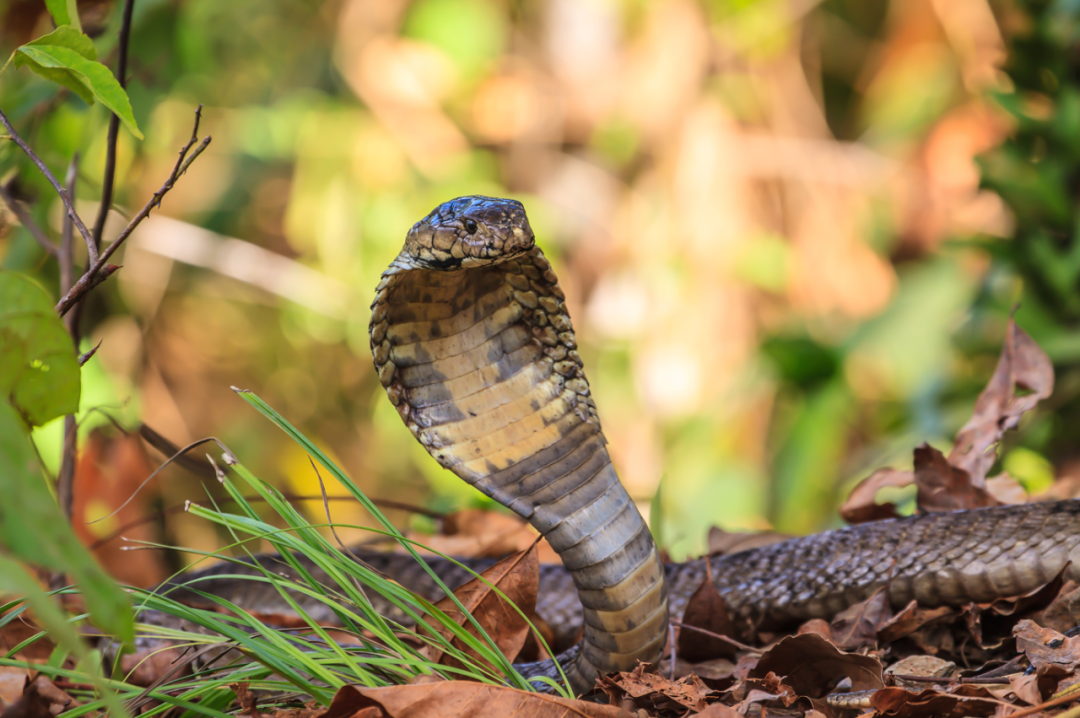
470,226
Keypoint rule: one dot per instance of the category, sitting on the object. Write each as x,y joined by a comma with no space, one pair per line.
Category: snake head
469,232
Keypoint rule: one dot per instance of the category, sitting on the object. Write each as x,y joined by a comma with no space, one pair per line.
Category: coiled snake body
472,341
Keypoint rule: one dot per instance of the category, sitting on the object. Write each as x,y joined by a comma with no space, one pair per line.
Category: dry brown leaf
816,625
459,699
959,481
860,506
1006,490
1047,649
247,700
959,701
1001,615
518,577
1064,611
20,630
1026,687
858,625
706,609
944,487
40,699
1022,364
767,692
144,668
719,710
12,682
480,533
654,692
812,666
910,619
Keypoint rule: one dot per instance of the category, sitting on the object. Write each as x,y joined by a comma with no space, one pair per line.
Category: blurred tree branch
108,178
87,281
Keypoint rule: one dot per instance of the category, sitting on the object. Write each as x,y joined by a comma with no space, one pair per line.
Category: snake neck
482,366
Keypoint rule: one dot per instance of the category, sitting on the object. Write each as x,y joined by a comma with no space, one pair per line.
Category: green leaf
68,58
64,12
39,373
32,529
69,37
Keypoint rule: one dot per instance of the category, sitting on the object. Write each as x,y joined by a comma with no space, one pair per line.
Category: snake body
473,344
472,341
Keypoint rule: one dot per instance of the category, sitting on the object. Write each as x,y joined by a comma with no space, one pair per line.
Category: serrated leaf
64,12
33,529
39,373
87,78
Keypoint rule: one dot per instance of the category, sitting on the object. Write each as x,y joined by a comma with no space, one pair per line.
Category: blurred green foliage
782,267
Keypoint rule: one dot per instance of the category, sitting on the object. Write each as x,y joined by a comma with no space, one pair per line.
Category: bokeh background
786,263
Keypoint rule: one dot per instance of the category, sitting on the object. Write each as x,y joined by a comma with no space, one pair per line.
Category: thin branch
718,636
27,221
85,284
56,185
67,250
108,178
65,478
86,356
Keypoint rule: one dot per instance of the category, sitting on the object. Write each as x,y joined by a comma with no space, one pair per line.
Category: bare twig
65,478
710,634
85,356
56,185
108,178
975,680
67,251
85,283
27,221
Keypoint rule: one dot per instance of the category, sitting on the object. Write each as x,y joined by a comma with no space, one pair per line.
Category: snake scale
473,343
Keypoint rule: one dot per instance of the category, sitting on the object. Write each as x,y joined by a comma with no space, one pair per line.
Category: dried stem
27,221
86,282
90,247
108,178
67,249
65,478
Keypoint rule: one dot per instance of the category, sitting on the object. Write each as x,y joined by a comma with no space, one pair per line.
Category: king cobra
473,343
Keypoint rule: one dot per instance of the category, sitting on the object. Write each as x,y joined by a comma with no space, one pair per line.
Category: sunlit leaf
68,57
39,373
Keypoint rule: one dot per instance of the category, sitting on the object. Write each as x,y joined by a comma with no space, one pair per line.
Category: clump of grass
232,645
